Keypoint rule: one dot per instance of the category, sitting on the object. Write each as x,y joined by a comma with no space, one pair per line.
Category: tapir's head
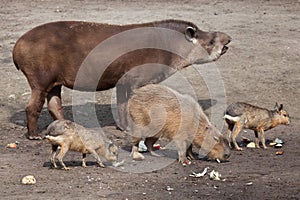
207,46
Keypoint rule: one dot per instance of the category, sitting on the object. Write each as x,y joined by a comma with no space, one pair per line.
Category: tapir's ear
190,33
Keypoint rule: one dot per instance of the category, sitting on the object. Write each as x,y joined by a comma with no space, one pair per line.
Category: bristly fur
157,111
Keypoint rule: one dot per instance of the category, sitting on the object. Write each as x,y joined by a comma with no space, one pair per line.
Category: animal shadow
103,112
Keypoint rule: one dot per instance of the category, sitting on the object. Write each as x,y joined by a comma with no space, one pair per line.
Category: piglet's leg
256,139
96,156
135,149
182,148
52,158
238,128
229,131
262,135
63,150
83,160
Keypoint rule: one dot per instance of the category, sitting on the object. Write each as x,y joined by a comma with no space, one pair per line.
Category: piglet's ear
276,106
190,33
280,107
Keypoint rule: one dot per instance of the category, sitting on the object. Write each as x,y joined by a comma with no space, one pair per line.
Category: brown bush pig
157,111
71,136
242,115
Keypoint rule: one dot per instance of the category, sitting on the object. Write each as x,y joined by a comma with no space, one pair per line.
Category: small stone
279,152
272,144
169,188
11,145
25,94
142,146
214,175
28,180
12,97
250,183
251,145
278,141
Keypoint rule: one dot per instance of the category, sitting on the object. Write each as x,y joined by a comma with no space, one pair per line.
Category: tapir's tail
17,66
14,59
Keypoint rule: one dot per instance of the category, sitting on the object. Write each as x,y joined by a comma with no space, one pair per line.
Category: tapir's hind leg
123,94
33,111
54,103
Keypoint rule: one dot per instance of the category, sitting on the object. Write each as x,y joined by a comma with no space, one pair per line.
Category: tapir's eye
212,42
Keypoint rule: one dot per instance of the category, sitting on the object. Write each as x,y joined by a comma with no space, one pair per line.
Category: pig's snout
220,151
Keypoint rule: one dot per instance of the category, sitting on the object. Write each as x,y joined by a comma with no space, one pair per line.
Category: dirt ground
261,67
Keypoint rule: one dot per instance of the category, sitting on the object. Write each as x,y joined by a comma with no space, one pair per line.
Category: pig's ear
190,33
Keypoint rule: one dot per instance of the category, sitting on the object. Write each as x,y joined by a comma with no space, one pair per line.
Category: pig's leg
149,142
52,158
182,147
33,111
238,128
256,139
262,135
83,160
135,149
96,156
54,103
63,150
189,152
